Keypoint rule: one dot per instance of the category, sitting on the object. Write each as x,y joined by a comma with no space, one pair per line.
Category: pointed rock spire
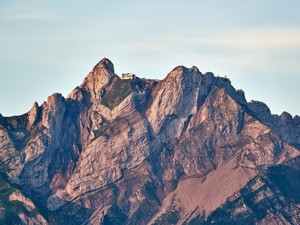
100,77
32,115
106,64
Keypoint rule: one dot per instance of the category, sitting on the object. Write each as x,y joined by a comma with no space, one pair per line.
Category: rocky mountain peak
99,78
182,72
32,115
260,108
106,64
286,116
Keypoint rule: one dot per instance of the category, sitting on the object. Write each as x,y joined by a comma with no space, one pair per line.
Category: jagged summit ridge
101,76
129,151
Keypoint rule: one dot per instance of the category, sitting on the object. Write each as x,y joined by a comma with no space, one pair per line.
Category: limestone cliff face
127,151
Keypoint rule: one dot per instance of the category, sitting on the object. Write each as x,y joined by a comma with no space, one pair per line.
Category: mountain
188,149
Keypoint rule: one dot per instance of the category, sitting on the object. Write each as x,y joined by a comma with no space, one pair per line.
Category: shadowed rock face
184,150
286,126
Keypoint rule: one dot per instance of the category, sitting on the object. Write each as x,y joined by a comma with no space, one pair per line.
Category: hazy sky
49,46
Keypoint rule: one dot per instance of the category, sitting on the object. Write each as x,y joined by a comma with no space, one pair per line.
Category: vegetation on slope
117,92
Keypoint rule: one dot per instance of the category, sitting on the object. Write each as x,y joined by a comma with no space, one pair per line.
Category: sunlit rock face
187,149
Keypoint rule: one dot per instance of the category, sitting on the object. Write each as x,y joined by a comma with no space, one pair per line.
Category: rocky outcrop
101,76
272,197
286,126
128,151
15,208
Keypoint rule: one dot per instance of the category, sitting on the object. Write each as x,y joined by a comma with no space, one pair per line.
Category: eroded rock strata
185,150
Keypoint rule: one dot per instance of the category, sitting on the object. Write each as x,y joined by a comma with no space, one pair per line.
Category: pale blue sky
49,46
